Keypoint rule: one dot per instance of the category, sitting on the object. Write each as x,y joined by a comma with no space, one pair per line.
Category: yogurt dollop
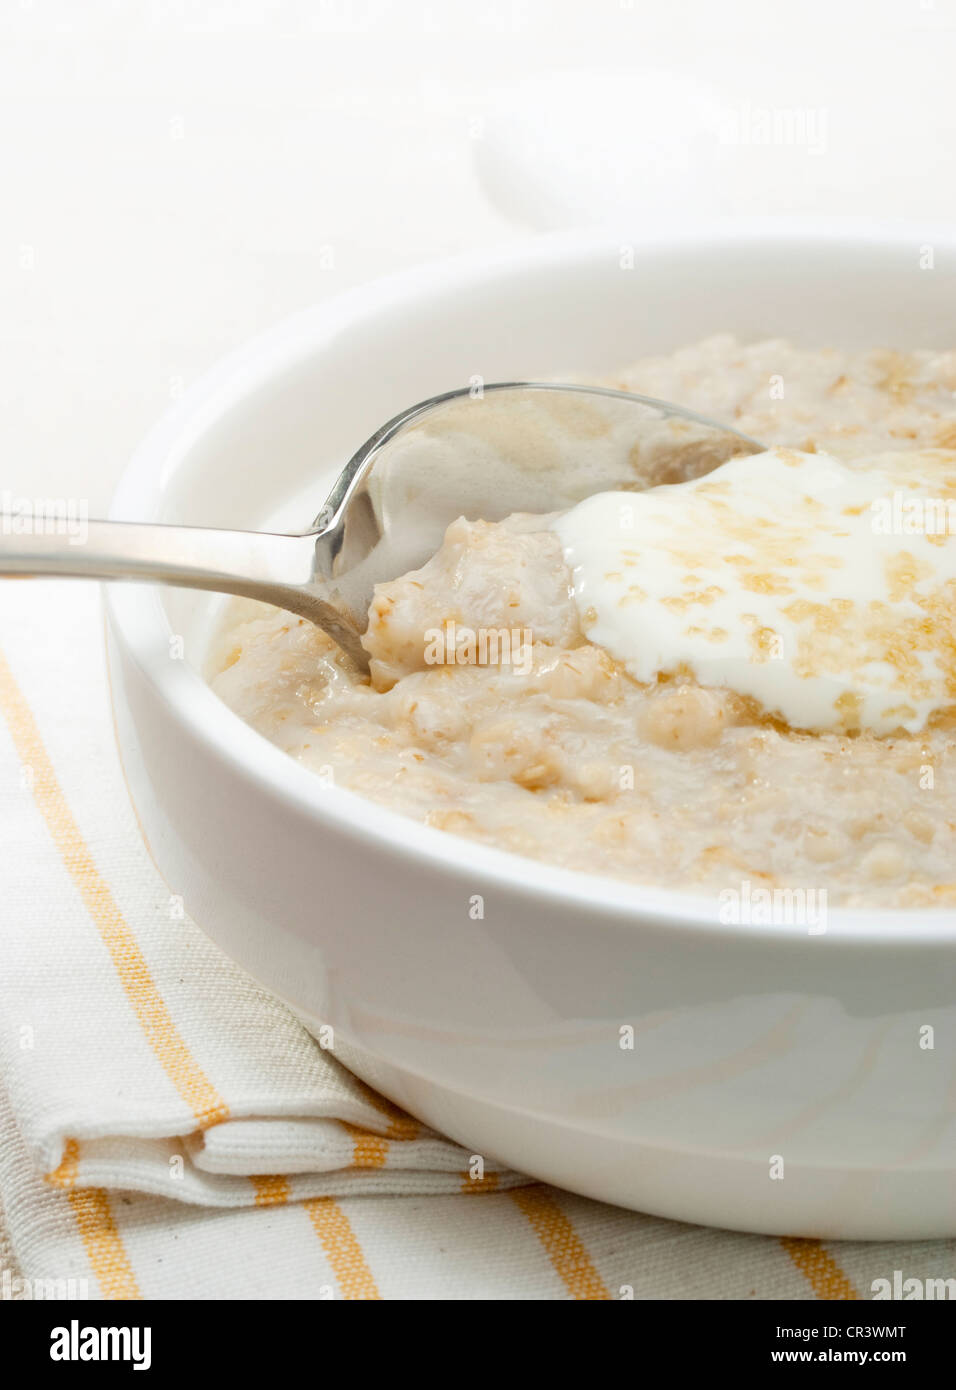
823,591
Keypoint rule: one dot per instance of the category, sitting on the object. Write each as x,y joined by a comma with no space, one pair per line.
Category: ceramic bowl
619,1041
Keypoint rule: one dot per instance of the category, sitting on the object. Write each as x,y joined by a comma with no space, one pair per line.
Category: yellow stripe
271,1191
342,1249
101,1240
488,1183
171,1051
104,1245
819,1268
562,1243
368,1150
403,1128
65,1174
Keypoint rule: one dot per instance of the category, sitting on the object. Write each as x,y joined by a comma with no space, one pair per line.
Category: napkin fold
135,1055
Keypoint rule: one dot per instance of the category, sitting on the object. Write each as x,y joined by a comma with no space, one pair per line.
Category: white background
176,176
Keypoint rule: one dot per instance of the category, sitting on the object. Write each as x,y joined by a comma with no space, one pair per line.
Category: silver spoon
478,452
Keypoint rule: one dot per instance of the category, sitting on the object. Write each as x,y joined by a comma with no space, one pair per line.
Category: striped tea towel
134,1054
532,1242
168,1129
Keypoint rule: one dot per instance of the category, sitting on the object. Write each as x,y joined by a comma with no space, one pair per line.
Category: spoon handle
276,569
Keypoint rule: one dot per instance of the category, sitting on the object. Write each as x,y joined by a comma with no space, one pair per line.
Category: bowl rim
138,622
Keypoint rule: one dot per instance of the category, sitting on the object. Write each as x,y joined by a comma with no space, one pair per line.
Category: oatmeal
737,719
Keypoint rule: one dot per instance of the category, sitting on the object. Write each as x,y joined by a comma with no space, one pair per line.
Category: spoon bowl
481,452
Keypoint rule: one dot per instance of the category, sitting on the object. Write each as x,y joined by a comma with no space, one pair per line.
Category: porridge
744,677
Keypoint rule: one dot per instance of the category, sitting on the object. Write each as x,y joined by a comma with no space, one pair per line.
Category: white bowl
751,1044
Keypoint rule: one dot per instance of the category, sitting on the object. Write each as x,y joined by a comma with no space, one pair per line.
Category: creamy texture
825,592
571,760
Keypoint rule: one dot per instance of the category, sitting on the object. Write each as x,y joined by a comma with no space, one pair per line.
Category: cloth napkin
169,1129
136,1055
